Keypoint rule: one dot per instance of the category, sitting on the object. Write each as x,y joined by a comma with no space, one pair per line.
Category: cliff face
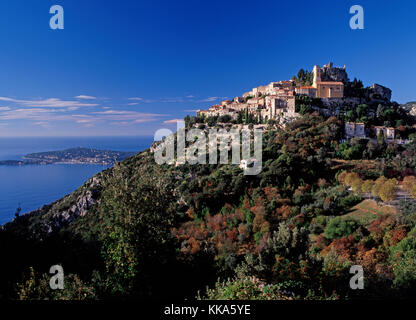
61,213
379,93
330,73
333,106
410,107
88,198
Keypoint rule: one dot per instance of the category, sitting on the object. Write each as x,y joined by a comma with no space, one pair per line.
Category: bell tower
316,76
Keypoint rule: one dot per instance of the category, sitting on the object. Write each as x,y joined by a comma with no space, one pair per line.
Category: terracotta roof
330,82
306,87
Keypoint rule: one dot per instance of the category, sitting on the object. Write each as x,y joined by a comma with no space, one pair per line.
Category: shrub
339,227
403,260
367,186
387,191
350,178
247,288
409,182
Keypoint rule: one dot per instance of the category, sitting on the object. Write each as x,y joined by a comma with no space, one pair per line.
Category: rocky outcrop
410,107
61,213
333,106
379,93
330,73
79,209
88,198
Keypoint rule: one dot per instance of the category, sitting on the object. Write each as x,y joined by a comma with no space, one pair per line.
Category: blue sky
130,67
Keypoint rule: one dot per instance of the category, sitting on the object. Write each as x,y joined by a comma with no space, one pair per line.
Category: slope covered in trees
143,230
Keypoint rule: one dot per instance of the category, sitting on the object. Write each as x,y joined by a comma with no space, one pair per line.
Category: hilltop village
326,89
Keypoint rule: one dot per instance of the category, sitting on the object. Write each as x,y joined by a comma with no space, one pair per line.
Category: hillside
145,230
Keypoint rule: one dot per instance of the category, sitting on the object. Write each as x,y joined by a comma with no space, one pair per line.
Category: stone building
256,101
326,89
280,105
280,88
239,99
225,102
328,82
307,91
387,131
258,91
354,130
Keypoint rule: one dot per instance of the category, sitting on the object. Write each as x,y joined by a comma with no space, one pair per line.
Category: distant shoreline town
71,156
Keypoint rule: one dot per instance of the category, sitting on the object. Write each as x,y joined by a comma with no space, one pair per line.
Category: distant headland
71,156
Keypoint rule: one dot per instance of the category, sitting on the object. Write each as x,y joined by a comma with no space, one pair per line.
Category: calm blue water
34,186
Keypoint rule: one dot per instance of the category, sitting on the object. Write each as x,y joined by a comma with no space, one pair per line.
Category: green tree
367,186
137,226
403,261
387,191
339,227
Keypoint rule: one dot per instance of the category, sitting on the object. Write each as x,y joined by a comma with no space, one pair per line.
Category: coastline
32,185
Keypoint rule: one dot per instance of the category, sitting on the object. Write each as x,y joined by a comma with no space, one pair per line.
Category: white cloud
163,100
172,121
132,103
37,114
170,100
49,111
49,103
211,99
43,124
81,96
127,115
121,123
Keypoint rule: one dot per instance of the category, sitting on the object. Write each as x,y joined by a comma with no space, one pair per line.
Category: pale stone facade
326,89
280,105
307,91
354,129
387,131
326,83
329,90
239,99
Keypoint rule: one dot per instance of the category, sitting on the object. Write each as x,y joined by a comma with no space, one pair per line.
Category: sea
31,186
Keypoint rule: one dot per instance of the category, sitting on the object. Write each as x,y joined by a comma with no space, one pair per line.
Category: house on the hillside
354,130
387,131
307,91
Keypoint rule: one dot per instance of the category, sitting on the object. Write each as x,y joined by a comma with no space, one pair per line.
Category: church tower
316,76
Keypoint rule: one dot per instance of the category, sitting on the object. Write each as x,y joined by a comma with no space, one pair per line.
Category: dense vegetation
303,78
291,232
